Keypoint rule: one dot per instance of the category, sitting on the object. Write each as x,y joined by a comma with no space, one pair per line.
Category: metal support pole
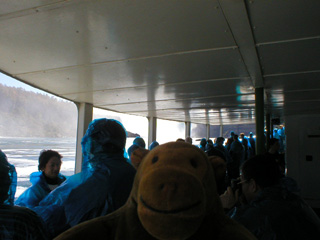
221,123
187,128
84,118
208,131
268,127
259,110
152,130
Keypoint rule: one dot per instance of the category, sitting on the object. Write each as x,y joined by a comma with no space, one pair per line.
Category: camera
235,185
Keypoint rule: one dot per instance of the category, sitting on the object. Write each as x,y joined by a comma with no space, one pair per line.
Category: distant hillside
24,113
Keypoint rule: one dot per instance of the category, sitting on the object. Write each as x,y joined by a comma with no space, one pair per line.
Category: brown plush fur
137,156
219,166
174,197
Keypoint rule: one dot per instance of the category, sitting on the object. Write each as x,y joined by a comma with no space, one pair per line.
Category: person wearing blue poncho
13,179
139,141
103,185
15,222
153,145
43,182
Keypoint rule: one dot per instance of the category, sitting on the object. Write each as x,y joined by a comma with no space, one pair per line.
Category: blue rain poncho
103,185
153,145
139,142
13,179
38,191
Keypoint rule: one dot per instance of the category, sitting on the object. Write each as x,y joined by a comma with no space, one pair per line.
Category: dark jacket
278,214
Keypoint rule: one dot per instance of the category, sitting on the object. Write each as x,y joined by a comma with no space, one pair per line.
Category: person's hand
229,199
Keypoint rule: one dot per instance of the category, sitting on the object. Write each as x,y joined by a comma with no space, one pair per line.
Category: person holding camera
267,209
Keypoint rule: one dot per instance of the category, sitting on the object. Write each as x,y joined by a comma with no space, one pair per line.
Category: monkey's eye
194,163
154,159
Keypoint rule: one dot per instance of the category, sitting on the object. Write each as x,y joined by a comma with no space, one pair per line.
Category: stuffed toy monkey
174,196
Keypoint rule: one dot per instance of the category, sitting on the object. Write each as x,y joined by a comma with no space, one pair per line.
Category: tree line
29,114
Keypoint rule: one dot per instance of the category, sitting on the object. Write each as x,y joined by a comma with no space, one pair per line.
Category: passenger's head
139,142
189,140
231,133
180,140
131,149
104,136
274,144
153,145
5,180
273,141
3,157
258,173
235,137
251,134
203,142
220,141
50,163
209,145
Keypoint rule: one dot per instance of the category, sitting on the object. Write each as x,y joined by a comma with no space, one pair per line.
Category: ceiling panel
309,107
197,89
292,82
278,20
160,70
206,117
180,60
302,96
296,56
240,101
103,31
14,6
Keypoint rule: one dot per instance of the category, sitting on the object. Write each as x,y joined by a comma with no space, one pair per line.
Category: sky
11,82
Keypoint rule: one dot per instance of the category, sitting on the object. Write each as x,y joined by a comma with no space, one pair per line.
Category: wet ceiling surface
197,61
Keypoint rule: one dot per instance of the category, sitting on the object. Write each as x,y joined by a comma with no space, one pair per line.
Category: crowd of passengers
262,198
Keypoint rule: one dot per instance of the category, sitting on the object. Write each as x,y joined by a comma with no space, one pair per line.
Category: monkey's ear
137,156
219,167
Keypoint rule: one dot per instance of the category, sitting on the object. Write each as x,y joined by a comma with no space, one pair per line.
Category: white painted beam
84,118
187,128
152,130
235,12
208,130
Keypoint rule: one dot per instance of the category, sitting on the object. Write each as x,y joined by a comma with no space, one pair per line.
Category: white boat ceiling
183,60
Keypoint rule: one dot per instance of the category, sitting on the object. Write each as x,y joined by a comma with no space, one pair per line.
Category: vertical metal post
268,126
84,118
221,130
152,130
259,110
208,131
221,123
187,128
